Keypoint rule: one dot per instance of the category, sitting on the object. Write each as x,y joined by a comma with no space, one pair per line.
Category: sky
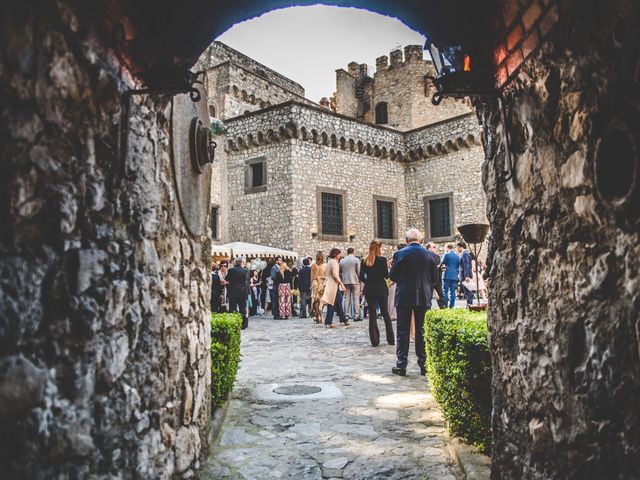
308,44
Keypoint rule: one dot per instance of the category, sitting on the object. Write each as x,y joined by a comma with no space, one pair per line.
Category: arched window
381,113
212,111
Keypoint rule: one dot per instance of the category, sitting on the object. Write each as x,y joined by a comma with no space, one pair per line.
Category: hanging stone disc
193,188
297,390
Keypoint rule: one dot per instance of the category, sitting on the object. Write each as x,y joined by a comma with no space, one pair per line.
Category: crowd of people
399,289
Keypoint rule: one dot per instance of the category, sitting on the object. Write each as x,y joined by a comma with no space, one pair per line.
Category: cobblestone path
364,423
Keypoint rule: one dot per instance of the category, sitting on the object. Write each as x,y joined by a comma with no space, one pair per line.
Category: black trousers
438,288
404,330
372,300
240,305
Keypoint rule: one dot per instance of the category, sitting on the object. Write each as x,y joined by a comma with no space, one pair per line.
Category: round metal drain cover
297,390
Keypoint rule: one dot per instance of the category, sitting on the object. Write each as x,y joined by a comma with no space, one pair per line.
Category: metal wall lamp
456,78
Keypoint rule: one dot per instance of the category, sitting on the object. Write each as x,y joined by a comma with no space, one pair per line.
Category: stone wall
218,53
265,217
104,303
360,177
456,172
564,323
239,90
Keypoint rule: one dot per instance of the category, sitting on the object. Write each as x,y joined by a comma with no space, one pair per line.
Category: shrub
459,371
225,354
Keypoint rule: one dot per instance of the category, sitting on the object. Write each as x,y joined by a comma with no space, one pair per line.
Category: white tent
251,250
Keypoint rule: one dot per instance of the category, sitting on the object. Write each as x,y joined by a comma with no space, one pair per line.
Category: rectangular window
439,213
385,215
331,214
255,175
439,216
214,223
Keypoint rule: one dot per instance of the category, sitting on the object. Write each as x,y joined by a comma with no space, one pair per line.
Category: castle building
295,174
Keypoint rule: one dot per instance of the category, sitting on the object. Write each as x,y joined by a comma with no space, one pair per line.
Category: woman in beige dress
318,275
333,288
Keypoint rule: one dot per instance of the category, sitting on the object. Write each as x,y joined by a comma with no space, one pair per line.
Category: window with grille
255,175
385,221
332,213
214,223
381,113
439,216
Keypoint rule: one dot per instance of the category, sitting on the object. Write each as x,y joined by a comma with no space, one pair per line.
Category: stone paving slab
383,426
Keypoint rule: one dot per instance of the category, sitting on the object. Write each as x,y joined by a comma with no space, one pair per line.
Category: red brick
549,20
501,76
509,12
499,53
514,61
530,43
514,37
531,15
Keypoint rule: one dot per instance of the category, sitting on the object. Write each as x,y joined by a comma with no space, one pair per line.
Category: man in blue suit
465,270
451,261
415,271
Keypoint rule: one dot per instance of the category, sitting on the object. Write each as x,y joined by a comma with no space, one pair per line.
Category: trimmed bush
459,371
225,354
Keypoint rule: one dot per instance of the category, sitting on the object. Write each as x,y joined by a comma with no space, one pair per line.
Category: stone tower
398,95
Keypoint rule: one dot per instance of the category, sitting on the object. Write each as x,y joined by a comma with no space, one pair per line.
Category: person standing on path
304,285
373,273
238,290
450,261
349,273
415,271
284,277
318,276
275,310
219,289
465,270
433,248
333,289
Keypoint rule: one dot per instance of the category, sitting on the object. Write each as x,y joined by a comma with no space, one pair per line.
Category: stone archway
104,292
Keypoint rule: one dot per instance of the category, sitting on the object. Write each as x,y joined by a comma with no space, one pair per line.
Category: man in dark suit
465,272
238,290
304,285
415,271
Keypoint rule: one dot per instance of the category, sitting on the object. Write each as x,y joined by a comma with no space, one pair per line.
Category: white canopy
251,250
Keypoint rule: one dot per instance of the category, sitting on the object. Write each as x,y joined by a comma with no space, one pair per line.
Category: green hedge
225,354
459,371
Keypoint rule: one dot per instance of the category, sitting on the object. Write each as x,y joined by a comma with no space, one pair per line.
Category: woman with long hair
373,273
333,288
318,274
254,292
284,278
